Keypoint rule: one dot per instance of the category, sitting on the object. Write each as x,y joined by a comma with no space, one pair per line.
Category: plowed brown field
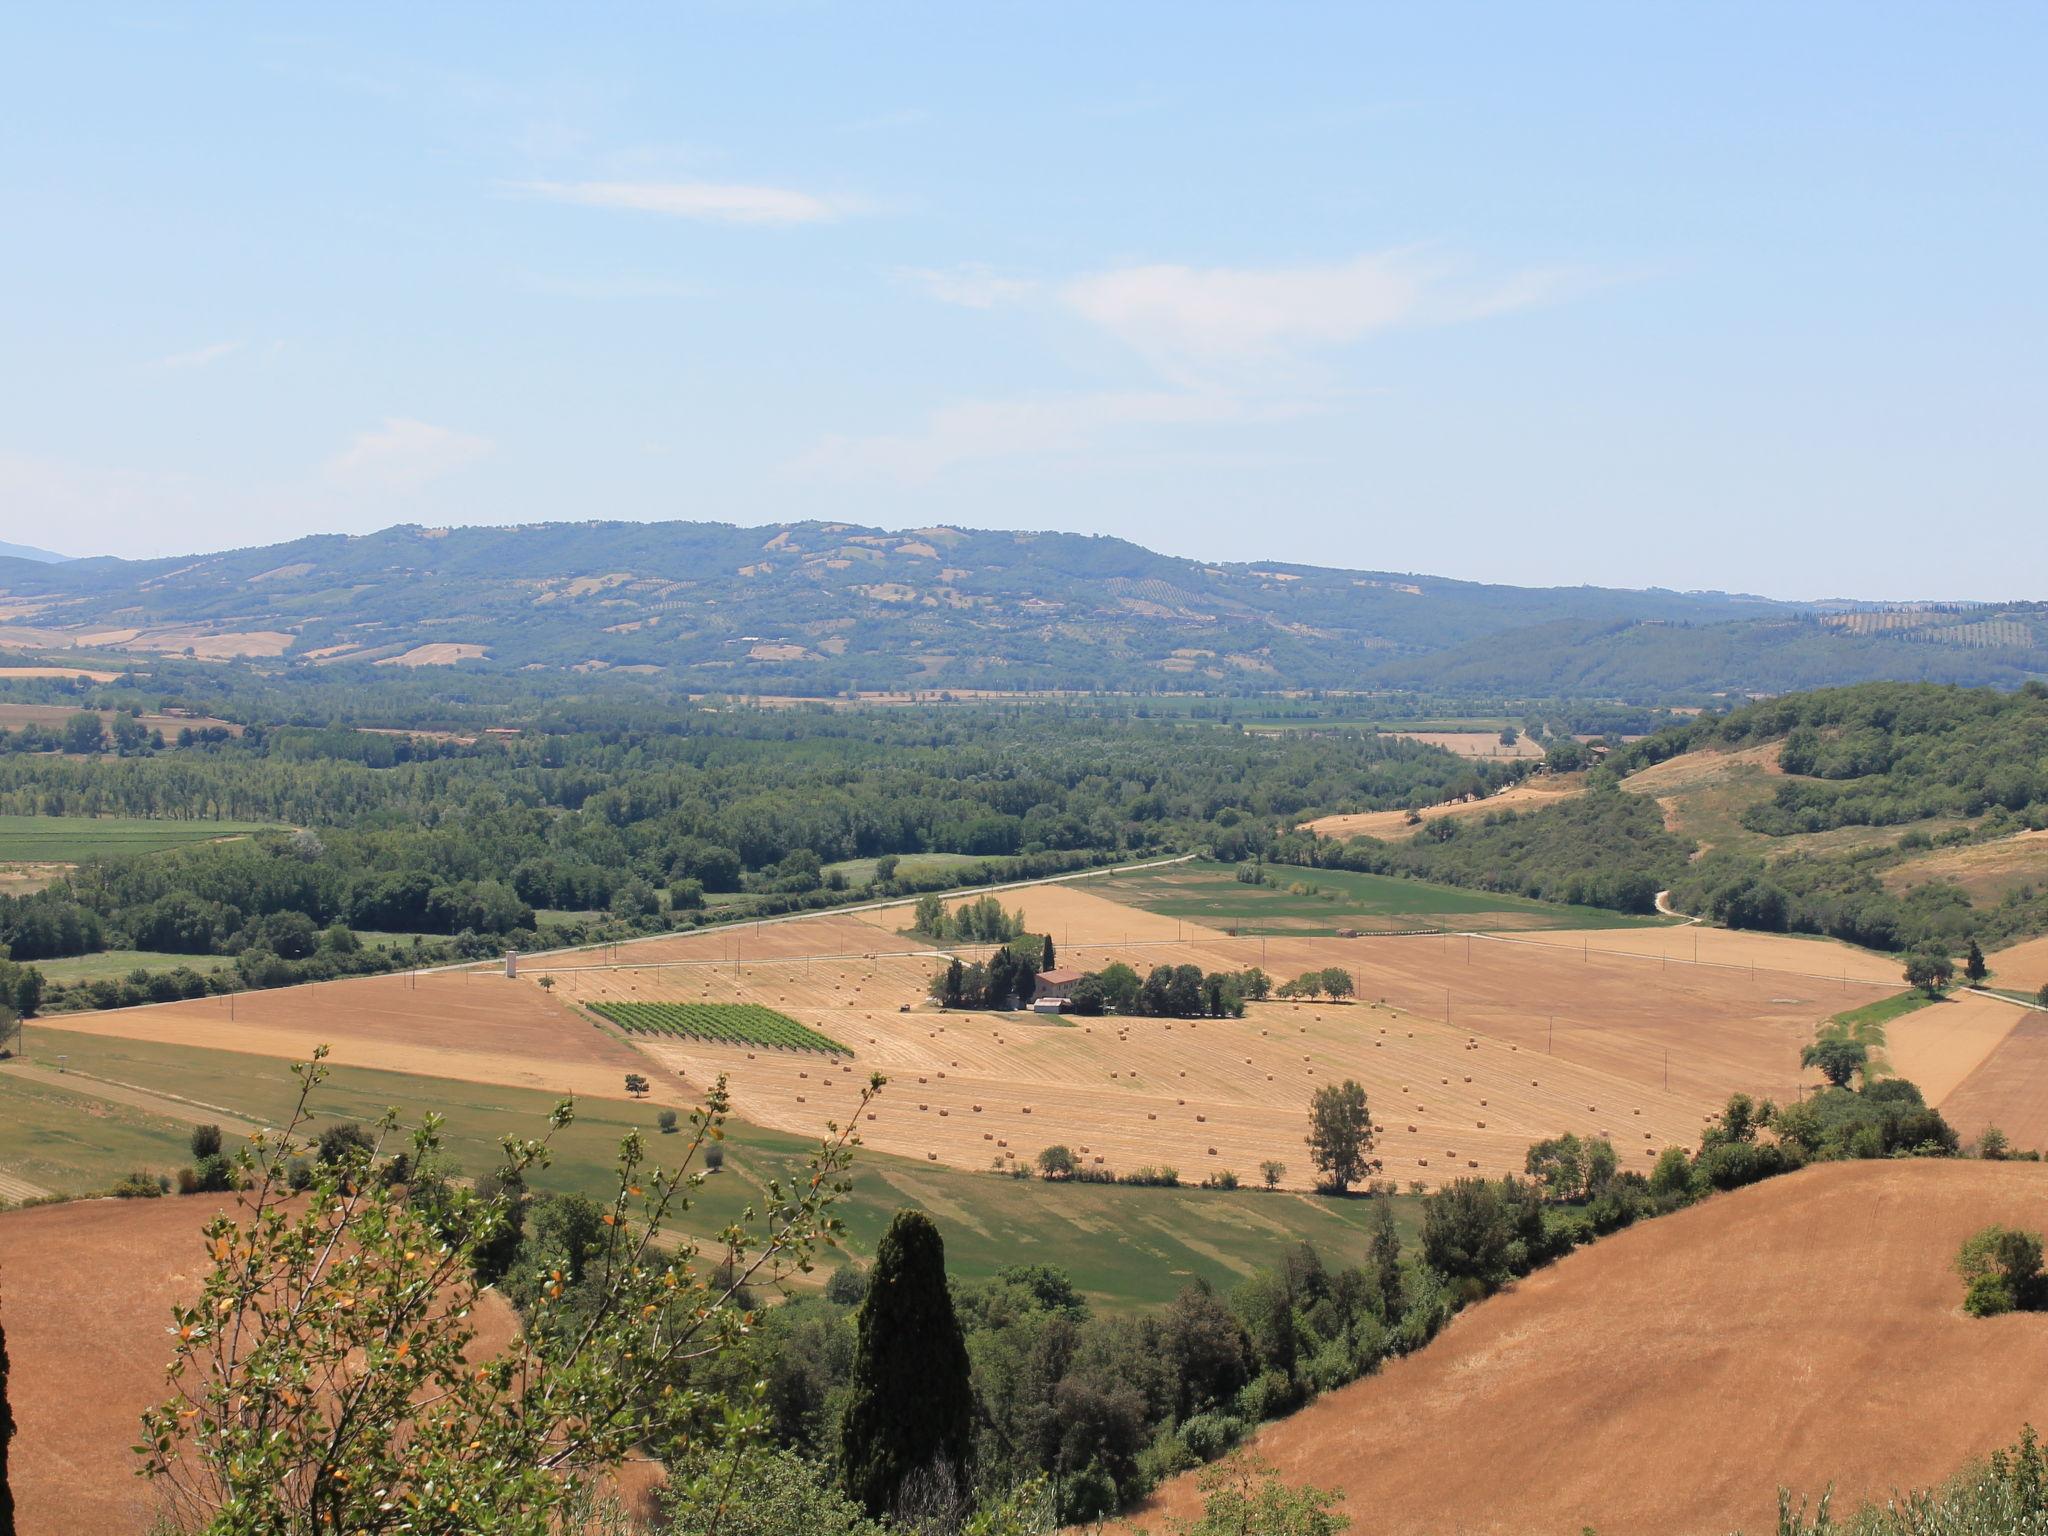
1670,1379
88,1289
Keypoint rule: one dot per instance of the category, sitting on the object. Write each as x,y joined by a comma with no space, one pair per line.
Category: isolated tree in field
667,1121
911,1408
1836,1060
547,983
1929,971
1272,1172
2002,1266
1974,968
363,1295
636,1084
1056,1162
1340,1134
205,1141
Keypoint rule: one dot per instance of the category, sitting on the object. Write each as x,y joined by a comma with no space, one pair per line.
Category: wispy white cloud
971,285
198,357
1180,315
1227,344
997,429
403,455
712,202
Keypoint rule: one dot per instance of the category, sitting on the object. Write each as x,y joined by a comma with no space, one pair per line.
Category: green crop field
1125,1247
110,964
74,839
1323,901
727,1023
910,866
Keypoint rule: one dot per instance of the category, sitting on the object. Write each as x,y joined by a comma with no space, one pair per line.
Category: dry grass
1986,871
1472,743
1668,1380
1392,826
439,654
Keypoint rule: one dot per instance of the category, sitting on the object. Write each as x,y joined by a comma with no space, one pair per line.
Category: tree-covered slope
1819,812
824,607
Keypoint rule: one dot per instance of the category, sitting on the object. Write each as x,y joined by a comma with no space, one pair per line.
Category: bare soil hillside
1671,1379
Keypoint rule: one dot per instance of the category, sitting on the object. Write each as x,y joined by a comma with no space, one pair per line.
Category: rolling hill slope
821,607
1672,1378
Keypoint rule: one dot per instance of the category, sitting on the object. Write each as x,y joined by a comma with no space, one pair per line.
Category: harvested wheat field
1669,1379
2021,967
1472,743
1538,1040
825,933
475,1026
107,1271
1075,915
2009,1089
1531,794
1938,1047
1731,949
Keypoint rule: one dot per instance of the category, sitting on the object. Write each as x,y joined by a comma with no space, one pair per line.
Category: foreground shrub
2006,1495
328,1379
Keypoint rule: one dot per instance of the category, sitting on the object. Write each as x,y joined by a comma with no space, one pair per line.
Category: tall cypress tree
6,1434
912,1406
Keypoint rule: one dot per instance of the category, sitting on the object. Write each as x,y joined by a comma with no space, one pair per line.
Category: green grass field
116,963
74,839
1124,1246
1212,894
859,872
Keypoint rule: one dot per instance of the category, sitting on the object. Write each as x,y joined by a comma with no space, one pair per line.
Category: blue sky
1739,297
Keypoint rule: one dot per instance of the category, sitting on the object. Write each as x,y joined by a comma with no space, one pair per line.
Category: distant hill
29,552
825,607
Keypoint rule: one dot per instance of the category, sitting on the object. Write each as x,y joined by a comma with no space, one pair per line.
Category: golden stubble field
1469,1049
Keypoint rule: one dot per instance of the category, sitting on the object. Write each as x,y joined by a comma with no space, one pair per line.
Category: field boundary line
1722,965
2000,997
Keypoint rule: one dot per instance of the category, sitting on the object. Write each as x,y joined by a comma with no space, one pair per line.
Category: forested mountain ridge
817,608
